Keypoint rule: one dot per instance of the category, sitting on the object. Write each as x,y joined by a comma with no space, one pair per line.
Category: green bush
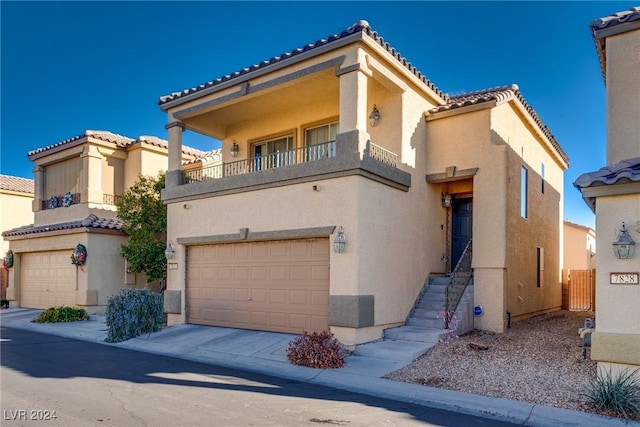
61,314
616,395
132,313
316,350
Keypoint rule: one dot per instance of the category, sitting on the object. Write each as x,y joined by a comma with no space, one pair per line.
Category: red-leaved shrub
316,350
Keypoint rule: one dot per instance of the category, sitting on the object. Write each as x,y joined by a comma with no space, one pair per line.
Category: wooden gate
579,290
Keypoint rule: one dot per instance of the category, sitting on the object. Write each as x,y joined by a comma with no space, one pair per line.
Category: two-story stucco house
16,196
613,194
77,183
345,140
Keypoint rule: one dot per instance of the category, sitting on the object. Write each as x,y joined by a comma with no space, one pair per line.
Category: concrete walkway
265,352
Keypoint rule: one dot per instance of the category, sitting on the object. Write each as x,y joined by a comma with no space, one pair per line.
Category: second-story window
272,153
320,141
524,202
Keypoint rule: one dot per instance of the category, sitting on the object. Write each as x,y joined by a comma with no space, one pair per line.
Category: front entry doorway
461,227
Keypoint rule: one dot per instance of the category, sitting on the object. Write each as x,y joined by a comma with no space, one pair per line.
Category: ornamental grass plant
616,394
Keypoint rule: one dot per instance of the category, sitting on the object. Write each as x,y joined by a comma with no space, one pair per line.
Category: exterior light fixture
624,247
374,117
235,149
446,200
339,242
169,252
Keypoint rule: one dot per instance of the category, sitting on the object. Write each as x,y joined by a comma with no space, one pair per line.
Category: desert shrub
132,313
61,314
316,350
616,394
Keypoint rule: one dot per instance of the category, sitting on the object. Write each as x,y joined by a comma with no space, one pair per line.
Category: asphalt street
57,381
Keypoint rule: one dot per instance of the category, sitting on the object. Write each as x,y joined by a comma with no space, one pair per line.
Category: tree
144,218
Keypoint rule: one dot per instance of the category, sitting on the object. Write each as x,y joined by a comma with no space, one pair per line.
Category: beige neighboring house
613,194
345,138
579,247
16,197
77,183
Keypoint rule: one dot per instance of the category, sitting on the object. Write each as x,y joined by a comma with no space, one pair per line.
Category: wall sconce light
446,200
339,242
235,149
169,252
624,247
374,117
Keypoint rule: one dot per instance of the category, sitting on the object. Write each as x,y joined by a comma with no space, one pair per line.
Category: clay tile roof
119,140
500,95
626,171
92,221
602,27
629,15
208,156
359,27
98,134
159,142
17,184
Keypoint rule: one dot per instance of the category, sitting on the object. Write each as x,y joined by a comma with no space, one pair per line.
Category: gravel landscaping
538,360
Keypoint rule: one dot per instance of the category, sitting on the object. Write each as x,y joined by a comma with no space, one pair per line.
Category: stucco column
174,173
353,99
91,175
38,188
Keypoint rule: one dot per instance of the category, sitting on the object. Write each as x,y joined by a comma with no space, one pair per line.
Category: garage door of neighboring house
48,279
280,286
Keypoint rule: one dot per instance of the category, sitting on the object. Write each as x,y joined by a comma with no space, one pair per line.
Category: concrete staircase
423,329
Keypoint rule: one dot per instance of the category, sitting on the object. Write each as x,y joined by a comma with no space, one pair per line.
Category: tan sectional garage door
48,279
280,286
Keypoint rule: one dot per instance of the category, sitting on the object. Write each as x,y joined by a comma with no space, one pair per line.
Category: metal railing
111,199
280,159
458,282
382,154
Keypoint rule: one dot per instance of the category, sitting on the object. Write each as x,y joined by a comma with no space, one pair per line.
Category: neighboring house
344,138
579,247
16,197
77,184
578,280
613,193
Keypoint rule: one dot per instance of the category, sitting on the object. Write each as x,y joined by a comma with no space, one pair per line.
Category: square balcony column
92,176
38,174
174,172
354,111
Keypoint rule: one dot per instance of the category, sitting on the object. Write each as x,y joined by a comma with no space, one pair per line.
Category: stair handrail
454,290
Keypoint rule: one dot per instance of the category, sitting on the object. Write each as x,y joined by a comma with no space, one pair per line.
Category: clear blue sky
71,66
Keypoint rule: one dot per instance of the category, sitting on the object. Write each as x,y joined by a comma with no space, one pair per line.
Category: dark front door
461,227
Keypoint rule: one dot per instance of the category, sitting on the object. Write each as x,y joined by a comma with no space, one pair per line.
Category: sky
71,66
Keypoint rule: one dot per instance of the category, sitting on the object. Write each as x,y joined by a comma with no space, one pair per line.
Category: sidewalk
265,352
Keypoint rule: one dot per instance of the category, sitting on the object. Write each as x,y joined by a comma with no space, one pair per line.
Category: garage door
48,279
280,286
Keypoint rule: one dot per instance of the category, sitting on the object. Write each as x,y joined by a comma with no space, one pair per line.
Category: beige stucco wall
15,212
579,247
498,142
623,96
616,342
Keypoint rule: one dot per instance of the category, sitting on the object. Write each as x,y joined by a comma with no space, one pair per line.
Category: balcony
332,159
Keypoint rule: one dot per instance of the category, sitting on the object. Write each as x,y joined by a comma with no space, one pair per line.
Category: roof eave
284,63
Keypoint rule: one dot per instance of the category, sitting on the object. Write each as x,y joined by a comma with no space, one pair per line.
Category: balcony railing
382,154
110,199
279,159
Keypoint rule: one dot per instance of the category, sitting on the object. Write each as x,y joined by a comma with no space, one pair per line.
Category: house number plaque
624,278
